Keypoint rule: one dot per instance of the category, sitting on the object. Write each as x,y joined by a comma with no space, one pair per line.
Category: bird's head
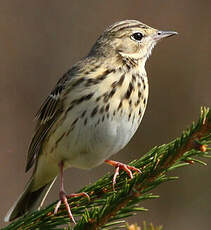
129,39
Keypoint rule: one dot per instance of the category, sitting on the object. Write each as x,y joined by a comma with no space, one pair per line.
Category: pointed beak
164,34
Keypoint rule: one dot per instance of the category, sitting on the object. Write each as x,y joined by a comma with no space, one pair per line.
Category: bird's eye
137,36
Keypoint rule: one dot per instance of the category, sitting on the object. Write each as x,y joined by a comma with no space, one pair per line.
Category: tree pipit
92,113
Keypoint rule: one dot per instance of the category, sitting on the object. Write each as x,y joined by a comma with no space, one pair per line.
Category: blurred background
40,40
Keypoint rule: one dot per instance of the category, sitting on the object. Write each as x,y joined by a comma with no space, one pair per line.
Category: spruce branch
107,209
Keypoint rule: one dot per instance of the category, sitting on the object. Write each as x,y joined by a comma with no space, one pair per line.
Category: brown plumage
92,113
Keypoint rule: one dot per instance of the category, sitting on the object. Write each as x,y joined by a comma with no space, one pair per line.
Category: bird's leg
121,166
63,197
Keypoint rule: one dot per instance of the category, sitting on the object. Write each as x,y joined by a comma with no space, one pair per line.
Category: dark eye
137,36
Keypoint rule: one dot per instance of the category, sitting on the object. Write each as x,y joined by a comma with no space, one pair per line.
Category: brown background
40,40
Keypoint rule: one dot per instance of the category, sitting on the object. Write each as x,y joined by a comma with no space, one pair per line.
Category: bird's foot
120,166
63,199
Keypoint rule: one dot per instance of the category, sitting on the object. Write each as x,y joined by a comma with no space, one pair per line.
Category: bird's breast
93,130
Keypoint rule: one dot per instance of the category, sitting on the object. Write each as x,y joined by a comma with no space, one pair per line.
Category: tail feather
28,201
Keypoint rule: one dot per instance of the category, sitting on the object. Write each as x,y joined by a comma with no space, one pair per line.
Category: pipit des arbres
92,112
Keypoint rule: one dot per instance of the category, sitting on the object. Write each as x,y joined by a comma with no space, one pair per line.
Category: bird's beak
164,34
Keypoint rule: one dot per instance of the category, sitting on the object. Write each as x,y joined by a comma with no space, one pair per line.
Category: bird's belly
105,140
88,146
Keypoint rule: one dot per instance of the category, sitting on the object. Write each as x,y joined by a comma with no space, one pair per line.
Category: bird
91,114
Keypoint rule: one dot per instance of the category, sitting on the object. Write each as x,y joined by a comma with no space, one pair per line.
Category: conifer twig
107,208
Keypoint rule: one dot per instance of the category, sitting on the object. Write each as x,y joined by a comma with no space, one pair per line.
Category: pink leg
122,166
63,197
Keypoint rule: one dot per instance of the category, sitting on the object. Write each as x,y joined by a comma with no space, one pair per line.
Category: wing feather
46,116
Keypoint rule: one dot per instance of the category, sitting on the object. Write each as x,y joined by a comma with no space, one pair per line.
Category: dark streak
83,114
92,70
106,97
91,81
98,98
74,122
69,108
70,130
85,121
133,118
139,113
78,82
120,105
58,140
94,111
139,94
114,84
102,109
143,81
134,78
113,91
137,102
129,91
120,82
97,122
144,101
132,26
107,107
83,98
94,81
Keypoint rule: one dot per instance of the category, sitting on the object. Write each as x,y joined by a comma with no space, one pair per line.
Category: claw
63,199
78,195
128,169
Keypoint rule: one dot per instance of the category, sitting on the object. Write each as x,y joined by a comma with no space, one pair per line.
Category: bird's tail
28,200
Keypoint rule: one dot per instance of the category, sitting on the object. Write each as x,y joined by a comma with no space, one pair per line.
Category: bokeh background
40,40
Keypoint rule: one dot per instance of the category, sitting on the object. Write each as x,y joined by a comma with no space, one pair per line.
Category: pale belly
88,146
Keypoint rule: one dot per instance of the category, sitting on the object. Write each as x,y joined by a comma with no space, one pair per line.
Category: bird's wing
47,116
